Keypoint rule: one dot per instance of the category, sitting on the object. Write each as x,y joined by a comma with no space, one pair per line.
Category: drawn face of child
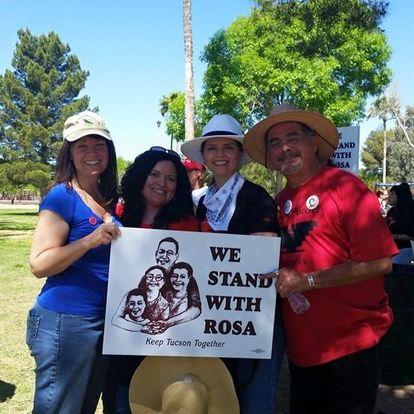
136,306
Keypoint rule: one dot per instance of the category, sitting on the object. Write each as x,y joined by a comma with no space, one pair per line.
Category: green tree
327,55
373,151
17,175
400,154
36,97
122,165
172,109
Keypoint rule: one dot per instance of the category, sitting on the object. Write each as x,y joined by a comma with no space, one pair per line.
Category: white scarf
221,202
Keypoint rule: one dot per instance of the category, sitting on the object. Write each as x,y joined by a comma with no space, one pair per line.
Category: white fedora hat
219,126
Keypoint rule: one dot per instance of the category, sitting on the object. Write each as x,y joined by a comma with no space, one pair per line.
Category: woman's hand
104,234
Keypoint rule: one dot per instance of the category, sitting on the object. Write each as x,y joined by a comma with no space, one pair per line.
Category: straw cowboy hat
327,134
182,385
220,126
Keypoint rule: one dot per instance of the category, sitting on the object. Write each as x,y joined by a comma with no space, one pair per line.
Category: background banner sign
347,154
177,293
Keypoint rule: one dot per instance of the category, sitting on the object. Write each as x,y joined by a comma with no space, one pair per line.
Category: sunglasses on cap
165,150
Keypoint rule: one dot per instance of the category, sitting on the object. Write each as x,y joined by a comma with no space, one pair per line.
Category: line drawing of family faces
167,295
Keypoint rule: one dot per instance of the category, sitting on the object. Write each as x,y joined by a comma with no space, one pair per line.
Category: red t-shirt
188,224
329,220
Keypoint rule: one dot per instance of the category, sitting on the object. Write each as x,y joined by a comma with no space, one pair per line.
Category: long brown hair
108,180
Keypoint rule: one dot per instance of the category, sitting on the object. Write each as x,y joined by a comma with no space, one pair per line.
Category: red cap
191,165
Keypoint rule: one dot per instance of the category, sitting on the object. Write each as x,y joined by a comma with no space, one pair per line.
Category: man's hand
288,281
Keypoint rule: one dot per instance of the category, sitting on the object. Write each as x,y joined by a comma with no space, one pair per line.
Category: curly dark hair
132,184
108,180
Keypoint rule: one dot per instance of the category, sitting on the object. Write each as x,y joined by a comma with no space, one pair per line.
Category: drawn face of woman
180,279
136,306
154,279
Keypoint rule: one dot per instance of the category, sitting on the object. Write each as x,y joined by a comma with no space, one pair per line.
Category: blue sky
133,50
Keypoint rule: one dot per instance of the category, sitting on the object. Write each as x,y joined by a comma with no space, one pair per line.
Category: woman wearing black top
235,205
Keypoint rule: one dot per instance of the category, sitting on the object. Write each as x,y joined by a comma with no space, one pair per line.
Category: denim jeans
70,369
257,378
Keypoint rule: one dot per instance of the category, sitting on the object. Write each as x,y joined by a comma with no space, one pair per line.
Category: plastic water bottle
298,303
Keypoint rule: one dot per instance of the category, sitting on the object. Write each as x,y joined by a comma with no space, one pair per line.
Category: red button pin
92,220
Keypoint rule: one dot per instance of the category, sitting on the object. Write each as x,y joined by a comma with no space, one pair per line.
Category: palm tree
380,108
189,72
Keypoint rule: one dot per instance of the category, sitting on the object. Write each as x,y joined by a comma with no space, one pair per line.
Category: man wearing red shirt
336,249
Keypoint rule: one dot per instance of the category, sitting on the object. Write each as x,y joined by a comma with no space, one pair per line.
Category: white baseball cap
83,124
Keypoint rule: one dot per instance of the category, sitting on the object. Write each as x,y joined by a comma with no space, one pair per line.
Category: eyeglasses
165,150
292,141
157,278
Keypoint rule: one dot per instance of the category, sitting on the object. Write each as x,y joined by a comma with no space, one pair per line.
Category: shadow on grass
16,220
22,213
6,391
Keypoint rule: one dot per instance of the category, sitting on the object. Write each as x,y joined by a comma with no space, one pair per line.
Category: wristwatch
311,280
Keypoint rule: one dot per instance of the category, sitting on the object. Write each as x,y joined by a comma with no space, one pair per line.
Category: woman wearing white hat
70,250
235,205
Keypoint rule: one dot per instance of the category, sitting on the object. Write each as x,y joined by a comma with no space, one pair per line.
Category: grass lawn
18,288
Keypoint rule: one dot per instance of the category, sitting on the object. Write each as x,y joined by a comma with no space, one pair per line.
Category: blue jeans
70,369
257,378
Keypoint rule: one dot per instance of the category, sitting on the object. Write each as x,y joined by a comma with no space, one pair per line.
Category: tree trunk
189,73
384,158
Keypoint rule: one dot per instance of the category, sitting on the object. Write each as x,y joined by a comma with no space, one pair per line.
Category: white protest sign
346,156
223,309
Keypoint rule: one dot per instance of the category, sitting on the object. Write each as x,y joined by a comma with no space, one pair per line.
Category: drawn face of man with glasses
167,252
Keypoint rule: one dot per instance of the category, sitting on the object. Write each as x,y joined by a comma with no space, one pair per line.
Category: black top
401,224
255,211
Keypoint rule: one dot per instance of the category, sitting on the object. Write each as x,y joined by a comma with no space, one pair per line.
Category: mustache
288,155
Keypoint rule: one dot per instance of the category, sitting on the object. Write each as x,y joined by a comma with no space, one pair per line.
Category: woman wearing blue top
71,250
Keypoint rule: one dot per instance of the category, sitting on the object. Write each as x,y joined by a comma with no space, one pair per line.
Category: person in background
235,205
336,255
156,194
70,250
400,220
196,174
382,195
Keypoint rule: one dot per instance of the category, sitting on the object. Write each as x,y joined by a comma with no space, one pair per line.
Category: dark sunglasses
167,151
